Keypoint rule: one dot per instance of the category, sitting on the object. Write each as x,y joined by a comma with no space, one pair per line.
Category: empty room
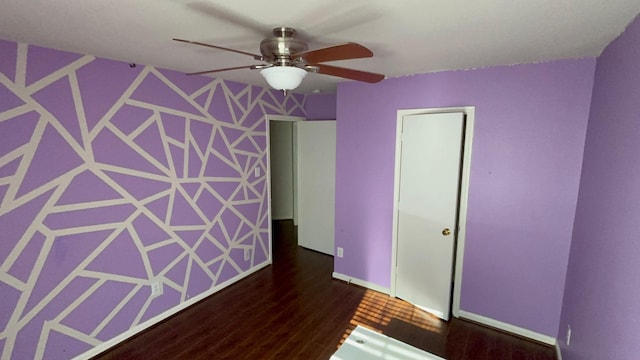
205,179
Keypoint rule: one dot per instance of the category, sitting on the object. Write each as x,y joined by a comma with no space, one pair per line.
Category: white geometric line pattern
112,178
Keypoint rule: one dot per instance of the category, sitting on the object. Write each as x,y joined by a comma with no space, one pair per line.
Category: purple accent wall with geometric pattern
112,177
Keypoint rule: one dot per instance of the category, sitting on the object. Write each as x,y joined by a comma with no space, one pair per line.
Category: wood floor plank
293,309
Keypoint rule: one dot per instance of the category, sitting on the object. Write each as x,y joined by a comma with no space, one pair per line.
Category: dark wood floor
295,310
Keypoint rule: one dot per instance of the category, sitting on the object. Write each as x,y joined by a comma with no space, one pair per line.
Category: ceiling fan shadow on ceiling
287,60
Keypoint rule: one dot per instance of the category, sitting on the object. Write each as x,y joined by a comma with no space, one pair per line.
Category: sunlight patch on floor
376,310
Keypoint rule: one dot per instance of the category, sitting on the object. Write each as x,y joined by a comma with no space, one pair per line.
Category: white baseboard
467,315
281,218
362,283
558,351
156,319
508,328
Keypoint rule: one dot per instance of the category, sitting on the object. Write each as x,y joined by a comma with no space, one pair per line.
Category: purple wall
530,129
111,177
320,106
602,293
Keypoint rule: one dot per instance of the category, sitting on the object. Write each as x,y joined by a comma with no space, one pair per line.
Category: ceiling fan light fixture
283,77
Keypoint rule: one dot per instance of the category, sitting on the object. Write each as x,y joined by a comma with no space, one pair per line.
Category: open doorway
302,179
282,171
283,174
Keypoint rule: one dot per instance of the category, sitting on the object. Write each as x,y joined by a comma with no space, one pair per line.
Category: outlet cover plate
156,288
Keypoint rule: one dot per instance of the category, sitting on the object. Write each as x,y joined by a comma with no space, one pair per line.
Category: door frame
268,119
469,112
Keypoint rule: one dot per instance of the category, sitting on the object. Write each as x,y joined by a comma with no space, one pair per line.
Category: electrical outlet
156,288
247,254
568,334
340,252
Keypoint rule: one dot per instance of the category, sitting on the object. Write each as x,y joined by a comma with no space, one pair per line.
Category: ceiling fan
286,60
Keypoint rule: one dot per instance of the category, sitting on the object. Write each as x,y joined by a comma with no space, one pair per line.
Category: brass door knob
446,232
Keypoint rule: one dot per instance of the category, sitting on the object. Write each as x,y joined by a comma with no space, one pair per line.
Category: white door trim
469,111
268,118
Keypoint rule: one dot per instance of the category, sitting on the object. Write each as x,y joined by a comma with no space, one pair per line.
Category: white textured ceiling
406,36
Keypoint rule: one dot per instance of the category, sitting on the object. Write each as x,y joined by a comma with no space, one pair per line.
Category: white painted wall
281,148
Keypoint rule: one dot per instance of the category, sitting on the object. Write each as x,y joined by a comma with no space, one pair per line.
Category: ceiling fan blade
336,52
348,73
226,69
256,57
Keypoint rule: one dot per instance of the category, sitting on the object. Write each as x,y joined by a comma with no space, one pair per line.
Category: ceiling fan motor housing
279,48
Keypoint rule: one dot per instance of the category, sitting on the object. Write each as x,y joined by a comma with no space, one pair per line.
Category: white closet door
427,209
316,184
